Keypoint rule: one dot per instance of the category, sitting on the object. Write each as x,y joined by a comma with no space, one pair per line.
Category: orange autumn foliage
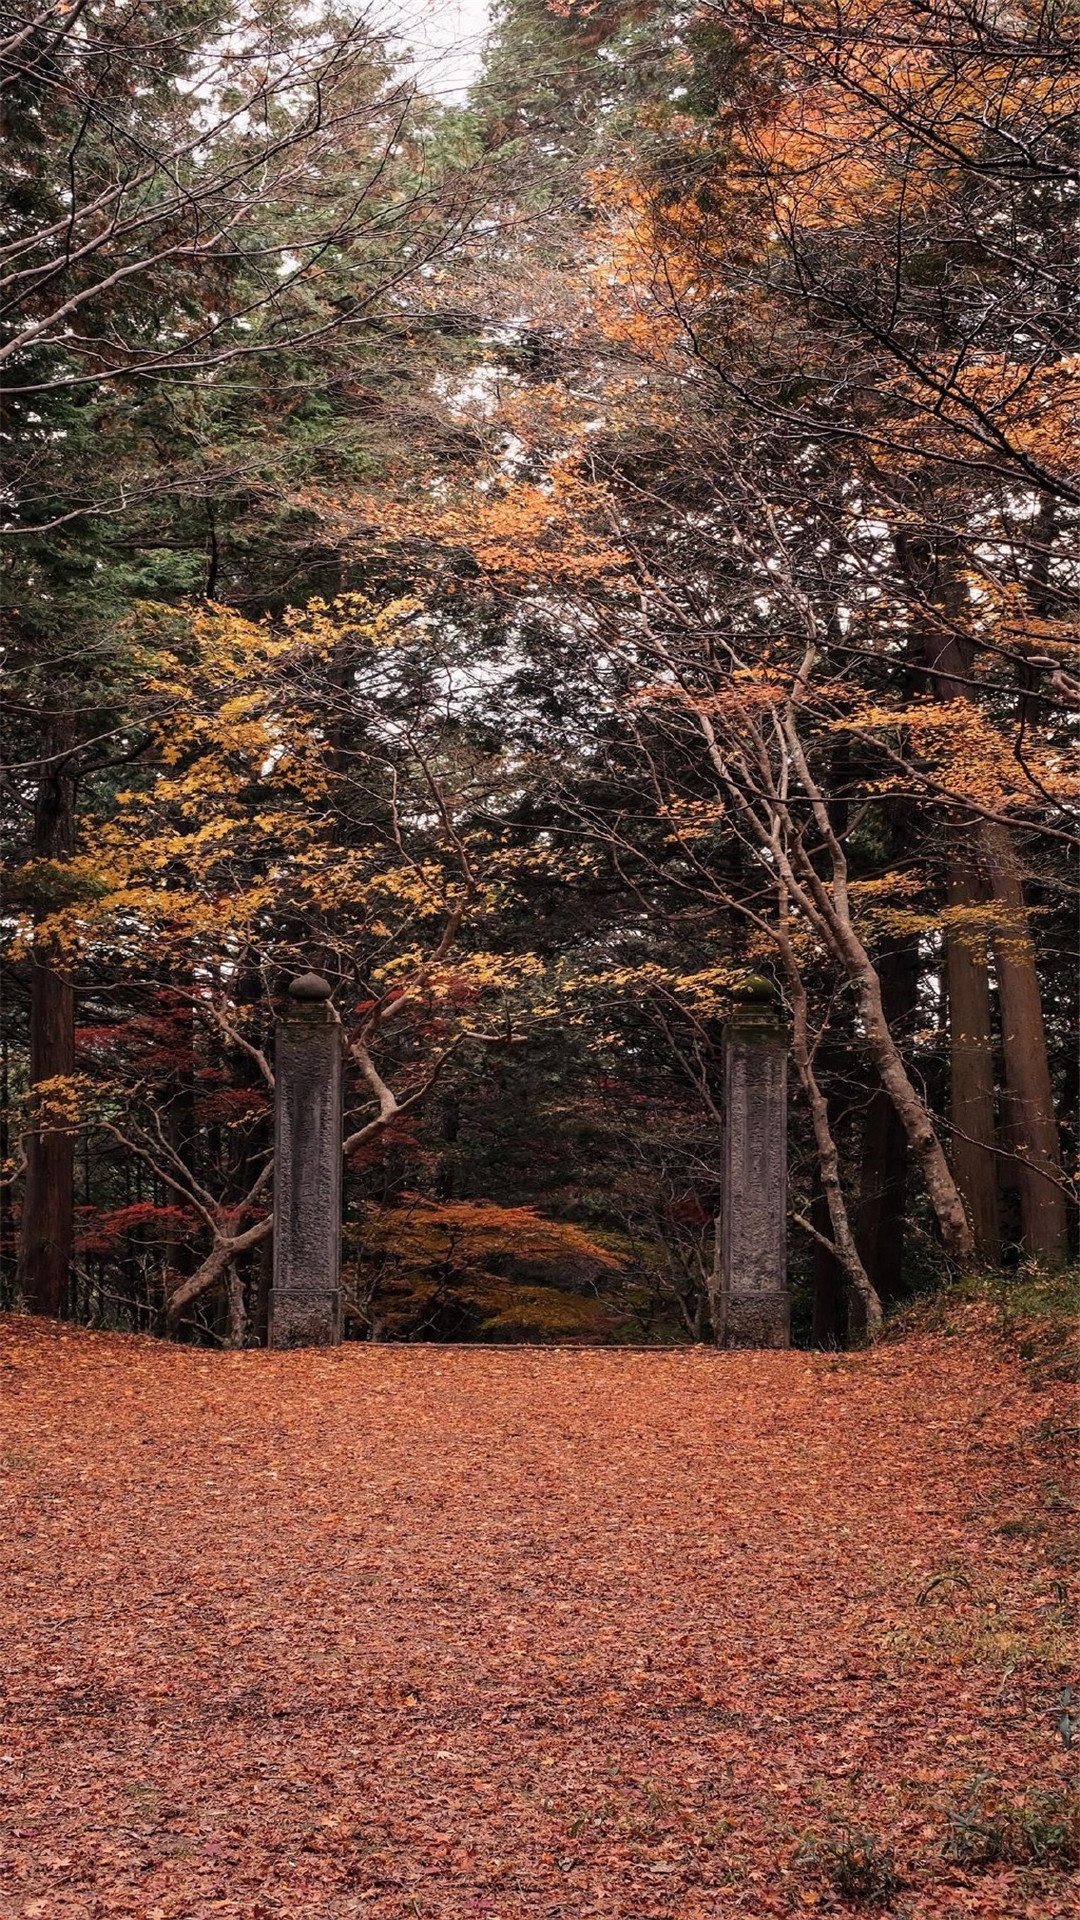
518,533
482,1261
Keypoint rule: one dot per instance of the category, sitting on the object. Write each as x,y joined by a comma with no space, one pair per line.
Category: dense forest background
539,561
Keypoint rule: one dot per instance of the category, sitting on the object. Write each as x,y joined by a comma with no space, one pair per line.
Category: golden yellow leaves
739,698
705,992
694,819
475,1231
957,745
507,972
59,1102
245,810
903,903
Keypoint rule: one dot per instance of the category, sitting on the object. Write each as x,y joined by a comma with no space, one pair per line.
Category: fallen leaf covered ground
398,1631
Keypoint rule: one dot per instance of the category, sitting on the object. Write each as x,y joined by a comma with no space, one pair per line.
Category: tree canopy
540,560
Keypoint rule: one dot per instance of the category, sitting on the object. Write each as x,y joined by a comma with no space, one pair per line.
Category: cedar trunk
48,1214
948,653
1029,1096
1027,1067
971,1067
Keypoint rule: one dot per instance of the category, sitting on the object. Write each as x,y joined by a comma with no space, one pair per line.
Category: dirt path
420,1632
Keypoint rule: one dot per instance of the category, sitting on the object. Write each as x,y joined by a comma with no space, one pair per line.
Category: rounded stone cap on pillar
756,988
310,986
756,1003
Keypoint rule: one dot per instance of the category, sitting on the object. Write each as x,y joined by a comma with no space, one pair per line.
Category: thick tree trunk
45,1241
1027,1068
48,1213
1027,1074
971,1066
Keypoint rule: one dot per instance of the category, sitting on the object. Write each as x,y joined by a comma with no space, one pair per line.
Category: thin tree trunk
48,1213
916,1122
929,567
238,1319
1027,1067
864,1306
179,1129
884,1157
828,910
215,1267
261,1285
829,1323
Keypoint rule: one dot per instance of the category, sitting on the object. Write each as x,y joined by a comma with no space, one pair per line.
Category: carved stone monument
752,1306
305,1298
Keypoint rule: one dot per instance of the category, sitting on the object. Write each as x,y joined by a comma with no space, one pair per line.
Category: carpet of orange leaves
399,1631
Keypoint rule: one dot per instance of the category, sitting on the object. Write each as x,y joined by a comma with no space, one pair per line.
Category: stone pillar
753,1306
305,1298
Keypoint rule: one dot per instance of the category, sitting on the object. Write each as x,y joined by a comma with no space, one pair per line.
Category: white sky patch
477,395
445,38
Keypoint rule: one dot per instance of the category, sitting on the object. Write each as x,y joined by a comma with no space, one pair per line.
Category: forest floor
395,1632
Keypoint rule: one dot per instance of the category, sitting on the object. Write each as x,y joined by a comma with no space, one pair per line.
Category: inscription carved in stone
305,1303
752,1304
